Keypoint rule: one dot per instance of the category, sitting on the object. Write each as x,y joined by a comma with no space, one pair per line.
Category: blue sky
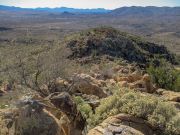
108,4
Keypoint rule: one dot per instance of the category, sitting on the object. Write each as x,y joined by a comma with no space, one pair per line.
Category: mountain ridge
149,10
132,10
58,9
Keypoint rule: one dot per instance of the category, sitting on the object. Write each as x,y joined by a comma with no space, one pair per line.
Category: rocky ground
53,110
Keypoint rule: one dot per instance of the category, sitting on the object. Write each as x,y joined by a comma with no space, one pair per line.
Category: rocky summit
111,43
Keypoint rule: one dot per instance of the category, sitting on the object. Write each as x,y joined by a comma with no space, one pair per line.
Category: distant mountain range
146,11
134,10
60,9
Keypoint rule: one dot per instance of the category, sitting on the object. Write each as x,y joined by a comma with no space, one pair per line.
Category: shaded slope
100,42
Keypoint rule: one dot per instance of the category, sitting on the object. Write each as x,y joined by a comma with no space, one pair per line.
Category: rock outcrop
136,81
6,87
33,117
110,43
83,83
71,120
123,124
1,92
30,119
56,85
169,95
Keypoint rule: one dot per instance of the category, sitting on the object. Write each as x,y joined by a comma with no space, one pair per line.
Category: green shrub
162,117
140,107
157,112
177,82
173,125
164,75
83,107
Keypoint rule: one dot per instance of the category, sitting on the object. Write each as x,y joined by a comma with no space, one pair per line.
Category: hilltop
108,42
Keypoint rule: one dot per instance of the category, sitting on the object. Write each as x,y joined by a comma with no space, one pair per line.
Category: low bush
164,75
148,107
83,107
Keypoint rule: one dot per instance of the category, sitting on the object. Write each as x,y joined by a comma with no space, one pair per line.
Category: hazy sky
108,4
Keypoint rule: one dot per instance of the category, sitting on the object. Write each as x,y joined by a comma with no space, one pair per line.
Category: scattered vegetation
2,106
158,113
111,43
35,65
164,75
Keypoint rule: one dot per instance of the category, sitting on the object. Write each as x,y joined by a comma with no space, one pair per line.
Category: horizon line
89,8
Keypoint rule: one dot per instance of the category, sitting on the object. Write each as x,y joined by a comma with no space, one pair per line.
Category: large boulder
92,100
56,85
123,78
136,75
137,81
123,84
85,84
169,95
34,117
128,76
1,92
123,124
30,118
6,87
71,121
